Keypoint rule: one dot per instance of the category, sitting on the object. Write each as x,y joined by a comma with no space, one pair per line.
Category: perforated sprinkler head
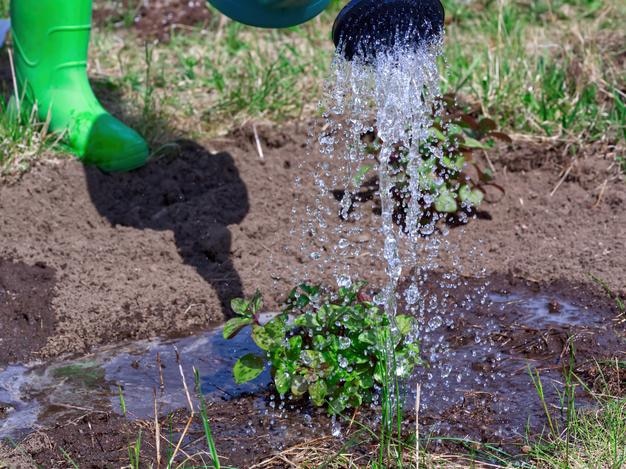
366,28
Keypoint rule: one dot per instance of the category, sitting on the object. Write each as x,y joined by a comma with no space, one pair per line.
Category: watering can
271,13
364,28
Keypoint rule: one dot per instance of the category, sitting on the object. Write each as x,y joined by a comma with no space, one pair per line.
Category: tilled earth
103,258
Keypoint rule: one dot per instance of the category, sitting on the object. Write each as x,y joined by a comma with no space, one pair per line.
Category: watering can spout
367,28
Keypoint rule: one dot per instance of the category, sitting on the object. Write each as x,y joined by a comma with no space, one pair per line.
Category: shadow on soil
191,192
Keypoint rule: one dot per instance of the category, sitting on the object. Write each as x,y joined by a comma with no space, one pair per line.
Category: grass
619,302
548,70
210,80
22,137
22,141
597,439
591,437
545,69
69,459
587,438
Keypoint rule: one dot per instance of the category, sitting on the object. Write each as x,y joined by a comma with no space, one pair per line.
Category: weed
208,434
22,140
120,393
69,459
134,453
619,302
595,439
621,161
536,379
450,180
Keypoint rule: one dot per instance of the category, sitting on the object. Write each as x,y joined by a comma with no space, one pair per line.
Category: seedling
331,347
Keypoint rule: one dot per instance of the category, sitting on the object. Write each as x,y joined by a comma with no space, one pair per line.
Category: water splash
396,98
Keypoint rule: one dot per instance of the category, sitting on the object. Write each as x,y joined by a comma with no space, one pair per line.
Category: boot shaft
48,36
51,43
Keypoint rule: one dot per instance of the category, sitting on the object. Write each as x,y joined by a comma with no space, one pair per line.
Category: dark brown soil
160,251
243,433
153,20
26,315
94,441
493,347
497,411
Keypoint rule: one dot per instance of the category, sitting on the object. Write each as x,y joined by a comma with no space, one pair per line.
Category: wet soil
475,384
154,20
160,251
480,351
26,315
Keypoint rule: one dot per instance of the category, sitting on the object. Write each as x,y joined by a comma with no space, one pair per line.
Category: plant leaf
405,324
473,143
501,136
311,358
248,367
445,203
295,347
318,392
256,302
232,327
262,338
240,306
438,134
469,122
299,386
485,125
473,197
358,178
282,381
271,335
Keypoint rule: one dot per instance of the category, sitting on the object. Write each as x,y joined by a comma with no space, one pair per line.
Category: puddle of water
475,382
544,310
42,395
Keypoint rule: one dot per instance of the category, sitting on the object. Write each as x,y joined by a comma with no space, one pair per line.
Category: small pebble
554,307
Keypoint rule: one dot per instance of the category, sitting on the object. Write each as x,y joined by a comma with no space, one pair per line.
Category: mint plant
335,348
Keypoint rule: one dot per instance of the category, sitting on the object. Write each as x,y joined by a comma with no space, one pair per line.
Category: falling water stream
395,96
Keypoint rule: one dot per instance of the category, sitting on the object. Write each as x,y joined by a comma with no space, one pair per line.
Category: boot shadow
191,192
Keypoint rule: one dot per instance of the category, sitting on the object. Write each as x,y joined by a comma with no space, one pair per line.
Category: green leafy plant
450,180
335,348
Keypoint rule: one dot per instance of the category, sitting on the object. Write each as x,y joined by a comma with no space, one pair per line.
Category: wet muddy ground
160,251
475,383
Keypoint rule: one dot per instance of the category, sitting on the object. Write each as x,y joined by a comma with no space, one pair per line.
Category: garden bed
161,251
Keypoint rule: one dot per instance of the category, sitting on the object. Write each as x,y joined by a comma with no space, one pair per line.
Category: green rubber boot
51,40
